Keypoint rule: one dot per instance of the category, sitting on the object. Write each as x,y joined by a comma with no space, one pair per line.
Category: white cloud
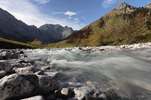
42,1
70,17
70,13
30,14
58,12
76,20
108,3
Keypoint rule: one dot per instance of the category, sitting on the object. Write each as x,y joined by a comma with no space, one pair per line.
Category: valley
108,59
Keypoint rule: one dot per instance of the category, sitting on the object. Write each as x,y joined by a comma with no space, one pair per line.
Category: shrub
36,43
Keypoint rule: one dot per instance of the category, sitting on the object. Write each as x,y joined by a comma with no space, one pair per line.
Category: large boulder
18,86
14,56
47,84
4,65
5,55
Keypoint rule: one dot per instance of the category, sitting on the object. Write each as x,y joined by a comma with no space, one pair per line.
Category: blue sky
73,13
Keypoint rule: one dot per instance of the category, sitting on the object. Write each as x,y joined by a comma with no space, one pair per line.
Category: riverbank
131,47
22,79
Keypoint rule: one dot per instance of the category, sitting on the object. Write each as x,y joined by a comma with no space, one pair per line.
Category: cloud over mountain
108,3
30,13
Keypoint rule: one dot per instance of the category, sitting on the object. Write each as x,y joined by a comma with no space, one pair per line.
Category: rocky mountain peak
148,5
57,31
122,5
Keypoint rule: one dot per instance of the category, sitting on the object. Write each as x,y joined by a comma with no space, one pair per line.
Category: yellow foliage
36,43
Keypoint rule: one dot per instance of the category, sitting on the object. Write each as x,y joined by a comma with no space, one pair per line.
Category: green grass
9,44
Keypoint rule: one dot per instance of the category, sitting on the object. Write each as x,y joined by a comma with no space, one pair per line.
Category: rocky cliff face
13,29
122,5
148,5
56,31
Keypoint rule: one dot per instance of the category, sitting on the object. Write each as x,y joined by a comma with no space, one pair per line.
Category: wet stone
104,96
2,73
34,98
5,65
67,92
25,70
5,55
18,86
47,84
50,97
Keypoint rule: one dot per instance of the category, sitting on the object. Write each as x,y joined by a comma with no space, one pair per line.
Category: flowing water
127,73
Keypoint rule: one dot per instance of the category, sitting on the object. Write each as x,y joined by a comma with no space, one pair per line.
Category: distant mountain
56,32
13,29
122,5
148,5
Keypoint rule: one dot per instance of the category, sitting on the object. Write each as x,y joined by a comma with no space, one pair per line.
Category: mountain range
14,29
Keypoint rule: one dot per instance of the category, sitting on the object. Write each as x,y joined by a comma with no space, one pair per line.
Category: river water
128,74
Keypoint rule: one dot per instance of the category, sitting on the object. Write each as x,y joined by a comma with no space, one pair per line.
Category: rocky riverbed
20,79
73,74
132,47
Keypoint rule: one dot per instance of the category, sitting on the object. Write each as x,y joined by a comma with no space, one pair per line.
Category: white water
128,73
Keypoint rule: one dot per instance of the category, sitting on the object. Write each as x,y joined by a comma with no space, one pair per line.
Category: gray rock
53,74
45,68
1,58
4,65
74,84
5,55
39,72
111,92
2,73
67,92
26,70
50,97
64,93
22,61
82,92
17,65
57,93
47,84
18,86
58,99
103,96
34,98
21,52
14,56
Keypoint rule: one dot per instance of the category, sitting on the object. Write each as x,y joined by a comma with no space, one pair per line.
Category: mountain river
128,74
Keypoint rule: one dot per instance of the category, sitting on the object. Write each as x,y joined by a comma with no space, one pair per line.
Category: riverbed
126,75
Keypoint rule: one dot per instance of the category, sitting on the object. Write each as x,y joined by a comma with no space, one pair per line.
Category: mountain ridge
148,5
14,29
122,5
